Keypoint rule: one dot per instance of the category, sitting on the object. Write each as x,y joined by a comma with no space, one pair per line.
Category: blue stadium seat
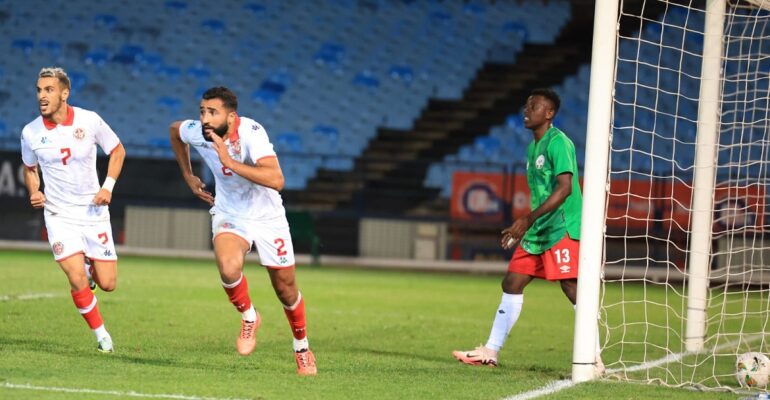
128,54
402,73
330,54
213,25
108,21
25,45
96,57
176,5
366,79
289,141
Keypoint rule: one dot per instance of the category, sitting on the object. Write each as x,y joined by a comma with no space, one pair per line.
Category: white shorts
272,238
92,239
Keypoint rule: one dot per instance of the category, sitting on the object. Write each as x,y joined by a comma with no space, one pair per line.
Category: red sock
296,317
239,293
85,301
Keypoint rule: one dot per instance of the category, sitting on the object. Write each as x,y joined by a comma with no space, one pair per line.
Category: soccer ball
752,369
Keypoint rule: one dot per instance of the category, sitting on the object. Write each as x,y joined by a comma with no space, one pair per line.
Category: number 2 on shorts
280,243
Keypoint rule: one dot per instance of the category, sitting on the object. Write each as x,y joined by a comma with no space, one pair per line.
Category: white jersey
235,195
66,154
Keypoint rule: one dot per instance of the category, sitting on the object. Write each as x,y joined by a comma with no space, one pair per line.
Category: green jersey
552,155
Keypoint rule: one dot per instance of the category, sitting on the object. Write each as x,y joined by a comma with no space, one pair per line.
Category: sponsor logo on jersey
565,269
236,146
58,248
540,162
79,134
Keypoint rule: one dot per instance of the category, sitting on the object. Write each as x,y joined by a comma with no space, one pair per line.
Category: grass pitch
376,335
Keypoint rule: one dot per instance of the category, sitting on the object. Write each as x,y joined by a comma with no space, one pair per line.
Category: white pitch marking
112,392
29,296
555,386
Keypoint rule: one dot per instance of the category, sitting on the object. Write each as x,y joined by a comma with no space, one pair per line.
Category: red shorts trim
234,233
557,263
69,255
278,266
104,260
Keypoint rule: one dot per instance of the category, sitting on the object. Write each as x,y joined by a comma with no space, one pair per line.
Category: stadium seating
348,67
645,94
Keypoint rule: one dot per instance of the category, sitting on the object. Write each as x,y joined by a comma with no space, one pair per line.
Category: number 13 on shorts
561,256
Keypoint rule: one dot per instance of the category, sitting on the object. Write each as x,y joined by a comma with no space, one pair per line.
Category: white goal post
678,165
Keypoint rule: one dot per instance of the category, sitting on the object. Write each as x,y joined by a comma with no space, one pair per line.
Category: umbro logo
565,269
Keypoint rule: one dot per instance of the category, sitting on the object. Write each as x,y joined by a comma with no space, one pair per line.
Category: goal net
686,281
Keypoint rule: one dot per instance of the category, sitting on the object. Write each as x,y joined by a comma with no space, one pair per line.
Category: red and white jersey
66,154
235,195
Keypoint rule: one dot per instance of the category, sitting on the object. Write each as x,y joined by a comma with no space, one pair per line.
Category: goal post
594,184
706,141
675,239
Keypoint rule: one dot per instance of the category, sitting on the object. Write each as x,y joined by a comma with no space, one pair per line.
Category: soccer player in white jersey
246,209
62,141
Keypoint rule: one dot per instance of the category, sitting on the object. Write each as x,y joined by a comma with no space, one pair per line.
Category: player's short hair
55,72
550,95
229,99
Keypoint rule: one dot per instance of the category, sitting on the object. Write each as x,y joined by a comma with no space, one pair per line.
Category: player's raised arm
267,172
182,154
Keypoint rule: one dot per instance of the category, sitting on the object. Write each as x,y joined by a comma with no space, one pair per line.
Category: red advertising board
638,205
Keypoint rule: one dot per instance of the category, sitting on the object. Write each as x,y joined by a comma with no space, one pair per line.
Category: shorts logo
107,253
283,260
79,134
58,248
565,269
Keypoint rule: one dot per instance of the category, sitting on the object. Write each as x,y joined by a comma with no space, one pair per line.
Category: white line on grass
30,296
555,386
112,392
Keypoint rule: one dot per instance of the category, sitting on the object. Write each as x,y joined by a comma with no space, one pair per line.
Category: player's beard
219,130
51,108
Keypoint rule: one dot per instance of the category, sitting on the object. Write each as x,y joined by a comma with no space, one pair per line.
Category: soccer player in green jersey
549,235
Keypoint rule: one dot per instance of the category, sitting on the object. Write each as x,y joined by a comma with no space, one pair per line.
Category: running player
62,141
246,210
548,237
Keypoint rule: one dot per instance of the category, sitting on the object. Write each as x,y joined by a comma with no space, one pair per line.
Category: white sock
301,344
100,332
250,314
506,316
598,341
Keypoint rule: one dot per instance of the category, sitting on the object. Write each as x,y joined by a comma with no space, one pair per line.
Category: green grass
376,334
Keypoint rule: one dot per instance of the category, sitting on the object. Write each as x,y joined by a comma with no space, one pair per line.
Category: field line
9,385
29,296
555,386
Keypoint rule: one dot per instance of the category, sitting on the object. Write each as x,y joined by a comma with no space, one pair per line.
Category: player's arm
115,165
560,193
267,172
32,181
182,154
